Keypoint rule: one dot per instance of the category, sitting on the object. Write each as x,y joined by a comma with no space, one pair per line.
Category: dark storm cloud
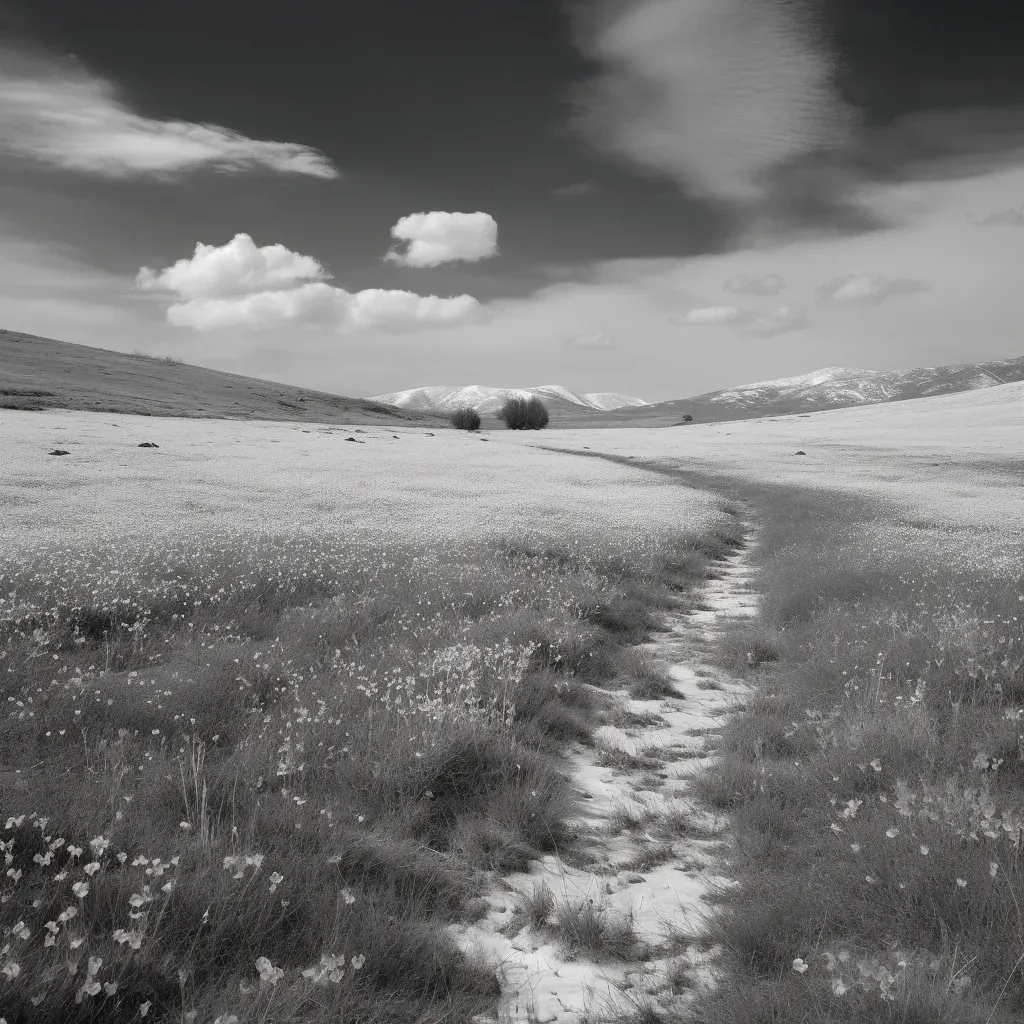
788,106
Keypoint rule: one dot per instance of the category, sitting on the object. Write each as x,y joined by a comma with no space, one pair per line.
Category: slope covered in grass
40,373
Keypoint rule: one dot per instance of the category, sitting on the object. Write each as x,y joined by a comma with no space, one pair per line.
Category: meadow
279,708
875,780
257,760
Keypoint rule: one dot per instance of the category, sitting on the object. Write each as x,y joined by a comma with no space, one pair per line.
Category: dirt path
615,924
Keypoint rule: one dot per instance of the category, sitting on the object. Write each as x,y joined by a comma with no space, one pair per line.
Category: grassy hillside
40,373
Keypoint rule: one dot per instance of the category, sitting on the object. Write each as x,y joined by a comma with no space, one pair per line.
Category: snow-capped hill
606,400
833,387
557,391
830,375
488,401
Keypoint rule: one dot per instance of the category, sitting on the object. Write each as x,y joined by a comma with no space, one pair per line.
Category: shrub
150,358
465,419
524,414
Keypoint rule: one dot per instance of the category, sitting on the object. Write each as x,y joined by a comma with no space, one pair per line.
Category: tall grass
165,360
254,779
876,778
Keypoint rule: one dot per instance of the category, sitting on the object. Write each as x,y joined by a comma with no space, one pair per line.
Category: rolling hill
40,373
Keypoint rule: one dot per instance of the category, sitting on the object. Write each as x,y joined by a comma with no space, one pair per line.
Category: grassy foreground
875,779
253,779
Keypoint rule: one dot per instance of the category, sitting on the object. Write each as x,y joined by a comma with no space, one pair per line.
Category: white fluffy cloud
778,321
711,315
60,114
237,268
438,237
770,284
710,92
870,289
240,285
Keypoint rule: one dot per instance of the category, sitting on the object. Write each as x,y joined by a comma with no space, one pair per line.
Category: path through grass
255,779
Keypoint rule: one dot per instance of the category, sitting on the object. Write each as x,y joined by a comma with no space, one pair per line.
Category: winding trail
646,850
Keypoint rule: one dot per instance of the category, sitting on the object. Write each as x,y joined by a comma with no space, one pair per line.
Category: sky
653,197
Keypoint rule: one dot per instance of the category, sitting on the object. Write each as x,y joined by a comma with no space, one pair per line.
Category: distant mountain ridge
833,387
488,401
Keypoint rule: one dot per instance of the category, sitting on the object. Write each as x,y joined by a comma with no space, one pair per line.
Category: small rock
357,441
395,436
635,879
800,453
358,431
428,434
59,451
148,444
485,439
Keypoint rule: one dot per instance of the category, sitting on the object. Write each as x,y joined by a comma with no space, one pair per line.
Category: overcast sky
656,197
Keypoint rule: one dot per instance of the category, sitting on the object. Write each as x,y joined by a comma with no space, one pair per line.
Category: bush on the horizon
524,414
149,357
465,418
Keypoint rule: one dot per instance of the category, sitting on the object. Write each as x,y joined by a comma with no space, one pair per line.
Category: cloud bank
240,285
870,289
59,114
779,321
770,284
1012,218
713,93
237,268
438,237
711,315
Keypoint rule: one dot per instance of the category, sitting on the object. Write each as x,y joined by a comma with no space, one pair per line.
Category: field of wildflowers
253,776
876,780
403,483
